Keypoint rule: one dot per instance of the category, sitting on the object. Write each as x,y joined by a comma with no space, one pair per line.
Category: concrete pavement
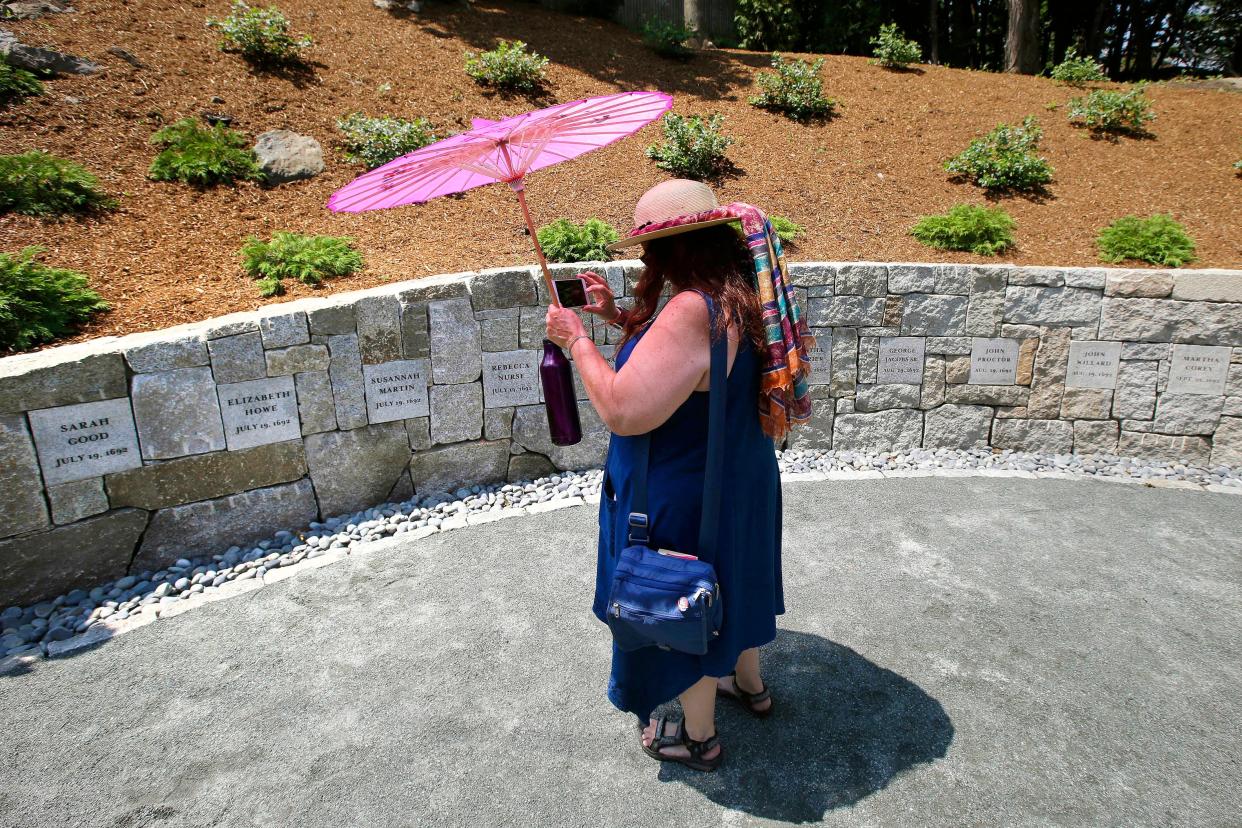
957,652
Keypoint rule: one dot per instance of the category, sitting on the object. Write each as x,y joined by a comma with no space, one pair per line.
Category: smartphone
571,292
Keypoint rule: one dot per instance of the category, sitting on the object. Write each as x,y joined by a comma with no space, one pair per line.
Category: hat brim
630,241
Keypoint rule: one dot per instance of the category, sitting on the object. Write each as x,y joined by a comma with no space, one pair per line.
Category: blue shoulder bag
673,601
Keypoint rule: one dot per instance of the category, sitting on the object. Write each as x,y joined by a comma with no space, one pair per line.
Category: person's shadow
843,728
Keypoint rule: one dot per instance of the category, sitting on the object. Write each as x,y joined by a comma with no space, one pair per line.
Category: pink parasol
504,150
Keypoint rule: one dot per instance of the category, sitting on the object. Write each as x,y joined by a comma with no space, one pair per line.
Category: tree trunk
933,29
695,14
1022,37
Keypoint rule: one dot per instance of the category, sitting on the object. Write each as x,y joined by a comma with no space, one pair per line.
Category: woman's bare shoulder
685,309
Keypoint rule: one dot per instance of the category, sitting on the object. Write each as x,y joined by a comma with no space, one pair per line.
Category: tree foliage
1131,39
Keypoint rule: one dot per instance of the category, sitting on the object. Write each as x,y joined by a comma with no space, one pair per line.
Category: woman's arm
662,371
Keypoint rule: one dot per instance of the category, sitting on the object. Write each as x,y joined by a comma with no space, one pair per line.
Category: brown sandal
749,700
695,760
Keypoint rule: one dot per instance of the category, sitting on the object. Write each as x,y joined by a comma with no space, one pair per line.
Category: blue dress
748,560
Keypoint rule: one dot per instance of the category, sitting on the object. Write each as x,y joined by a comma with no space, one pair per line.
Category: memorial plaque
1093,364
1198,369
510,378
397,390
821,357
901,360
75,442
993,361
257,412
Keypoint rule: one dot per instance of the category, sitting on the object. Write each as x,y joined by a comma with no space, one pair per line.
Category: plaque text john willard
396,390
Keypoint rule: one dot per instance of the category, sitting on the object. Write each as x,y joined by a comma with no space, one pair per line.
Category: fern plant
1157,239
893,50
981,230
786,229
1107,112
667,39
260,35
38,184
509,66
564,241
202,156
376,141
309,259
693,147
16,83
39,303
1004,159
795,89
1077,71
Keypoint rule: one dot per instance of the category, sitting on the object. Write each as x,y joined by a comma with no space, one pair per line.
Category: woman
720,286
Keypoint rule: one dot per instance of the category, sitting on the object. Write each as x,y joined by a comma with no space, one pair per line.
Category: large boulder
43,61
285,156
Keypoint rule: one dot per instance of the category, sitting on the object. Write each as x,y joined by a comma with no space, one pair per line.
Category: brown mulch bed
857,182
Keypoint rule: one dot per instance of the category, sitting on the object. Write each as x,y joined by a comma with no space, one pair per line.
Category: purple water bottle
558,396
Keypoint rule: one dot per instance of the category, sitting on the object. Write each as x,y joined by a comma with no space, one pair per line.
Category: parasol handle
519,188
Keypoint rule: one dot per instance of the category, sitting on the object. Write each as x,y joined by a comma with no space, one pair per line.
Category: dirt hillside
169,253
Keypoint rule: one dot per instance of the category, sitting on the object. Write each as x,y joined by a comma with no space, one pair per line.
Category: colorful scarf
784,395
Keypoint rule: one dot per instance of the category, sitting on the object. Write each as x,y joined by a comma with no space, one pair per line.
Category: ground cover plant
309,259
1105,111
1005,159
1077,71
564,241
786,229
38,184
40,303
892,50
1157,239
667,39
17,83
376,141
259,35
795,89
509,67
982,230
202,156
693,147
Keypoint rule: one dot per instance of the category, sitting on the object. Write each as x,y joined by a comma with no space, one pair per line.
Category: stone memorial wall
122,454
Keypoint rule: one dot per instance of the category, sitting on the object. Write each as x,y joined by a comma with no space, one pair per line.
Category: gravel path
957,652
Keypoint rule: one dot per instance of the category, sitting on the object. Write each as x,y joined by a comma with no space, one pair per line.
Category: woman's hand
604,304
564,325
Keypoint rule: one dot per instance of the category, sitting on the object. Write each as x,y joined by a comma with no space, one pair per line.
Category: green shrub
376,141
17,83
1156,239
564,241
692,148
795,89
665,38
39,303
509,66
1077,71
980,230
1237,165
1106,111
1004,159
892,50
37,184
765,25
309,259
786,230
259,35
202,156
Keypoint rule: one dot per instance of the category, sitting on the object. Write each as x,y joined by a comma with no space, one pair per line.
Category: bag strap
639,520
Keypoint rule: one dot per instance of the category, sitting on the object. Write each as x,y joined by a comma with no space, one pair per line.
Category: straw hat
671,200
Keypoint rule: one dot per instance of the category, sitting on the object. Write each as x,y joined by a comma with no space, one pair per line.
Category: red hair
714,260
